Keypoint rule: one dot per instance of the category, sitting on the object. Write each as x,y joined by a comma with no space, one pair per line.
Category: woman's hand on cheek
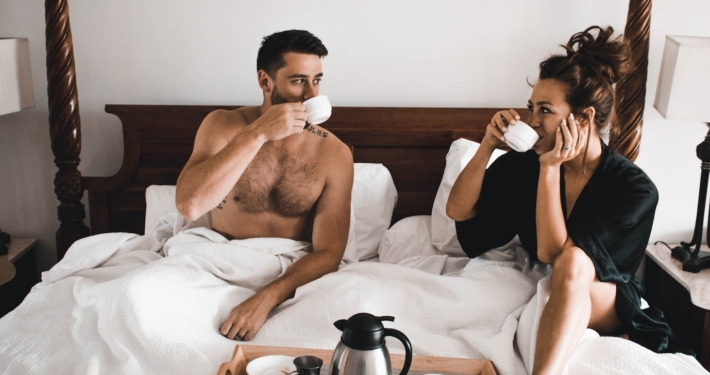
569,142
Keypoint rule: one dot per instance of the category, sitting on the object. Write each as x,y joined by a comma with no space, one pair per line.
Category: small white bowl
271,365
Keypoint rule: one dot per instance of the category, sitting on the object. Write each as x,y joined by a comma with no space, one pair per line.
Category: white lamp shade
15,76
684,84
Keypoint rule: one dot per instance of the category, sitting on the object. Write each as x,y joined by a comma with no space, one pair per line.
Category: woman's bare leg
578,300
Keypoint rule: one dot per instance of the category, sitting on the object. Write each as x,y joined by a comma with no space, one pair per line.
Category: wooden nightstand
21,252
684,298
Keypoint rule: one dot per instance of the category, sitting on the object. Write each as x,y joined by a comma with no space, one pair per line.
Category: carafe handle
407,347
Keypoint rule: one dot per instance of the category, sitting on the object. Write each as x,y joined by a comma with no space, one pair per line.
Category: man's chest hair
280,184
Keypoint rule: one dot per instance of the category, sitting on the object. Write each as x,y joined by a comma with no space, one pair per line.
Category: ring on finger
566,148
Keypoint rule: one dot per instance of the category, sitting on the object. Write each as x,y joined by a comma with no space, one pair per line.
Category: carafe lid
367,322
365,331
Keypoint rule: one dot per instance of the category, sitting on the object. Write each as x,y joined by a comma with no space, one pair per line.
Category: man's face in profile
298,80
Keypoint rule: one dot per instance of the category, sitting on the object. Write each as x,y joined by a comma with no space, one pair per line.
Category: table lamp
15,95
684,94
15,76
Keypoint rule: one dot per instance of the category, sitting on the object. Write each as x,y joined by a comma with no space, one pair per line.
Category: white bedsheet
124,304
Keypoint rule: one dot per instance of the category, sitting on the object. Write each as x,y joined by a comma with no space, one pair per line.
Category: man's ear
265,81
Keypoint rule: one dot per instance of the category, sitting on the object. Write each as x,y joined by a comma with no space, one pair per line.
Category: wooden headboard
410,142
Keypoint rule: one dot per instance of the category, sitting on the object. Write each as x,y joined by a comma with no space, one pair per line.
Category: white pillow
373,199
408,237
159,201
443,229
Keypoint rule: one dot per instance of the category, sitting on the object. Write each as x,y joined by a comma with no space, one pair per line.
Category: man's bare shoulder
337,152
224,123
227,118
341,150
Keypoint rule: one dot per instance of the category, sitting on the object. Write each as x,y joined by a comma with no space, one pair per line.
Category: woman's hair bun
607,57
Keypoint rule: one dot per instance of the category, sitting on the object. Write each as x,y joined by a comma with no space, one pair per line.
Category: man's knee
573,265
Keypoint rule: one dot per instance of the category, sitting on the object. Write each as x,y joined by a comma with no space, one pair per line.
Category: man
261,175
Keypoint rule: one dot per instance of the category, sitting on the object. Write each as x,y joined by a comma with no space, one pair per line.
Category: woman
573,202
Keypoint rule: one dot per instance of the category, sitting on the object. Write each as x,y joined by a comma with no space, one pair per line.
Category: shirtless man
262,175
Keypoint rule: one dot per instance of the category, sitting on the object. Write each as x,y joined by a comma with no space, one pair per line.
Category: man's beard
276,97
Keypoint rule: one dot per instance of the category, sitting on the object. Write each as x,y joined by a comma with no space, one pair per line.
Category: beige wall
454,53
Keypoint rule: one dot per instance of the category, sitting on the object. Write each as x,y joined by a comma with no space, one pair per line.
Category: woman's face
547,108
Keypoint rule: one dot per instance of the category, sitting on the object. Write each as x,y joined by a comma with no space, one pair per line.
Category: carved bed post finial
64,124
631,91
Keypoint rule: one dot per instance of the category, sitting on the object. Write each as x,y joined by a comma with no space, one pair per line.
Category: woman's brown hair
589,70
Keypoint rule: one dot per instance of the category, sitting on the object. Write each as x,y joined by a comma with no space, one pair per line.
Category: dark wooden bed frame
410,142
158,141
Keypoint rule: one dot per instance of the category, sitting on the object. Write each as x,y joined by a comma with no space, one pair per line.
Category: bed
148,297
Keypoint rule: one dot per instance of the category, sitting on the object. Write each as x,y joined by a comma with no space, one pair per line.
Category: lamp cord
657,242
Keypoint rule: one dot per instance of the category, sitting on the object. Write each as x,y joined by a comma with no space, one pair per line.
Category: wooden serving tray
243,354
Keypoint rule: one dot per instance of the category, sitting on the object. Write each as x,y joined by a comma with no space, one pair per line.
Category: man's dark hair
273,47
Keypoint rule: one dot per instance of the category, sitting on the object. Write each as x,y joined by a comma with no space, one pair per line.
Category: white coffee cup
520,136
271,365
318,109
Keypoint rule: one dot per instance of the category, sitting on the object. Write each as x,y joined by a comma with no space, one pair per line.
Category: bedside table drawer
22,255
691,322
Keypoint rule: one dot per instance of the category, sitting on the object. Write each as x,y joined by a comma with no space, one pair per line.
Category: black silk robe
611,221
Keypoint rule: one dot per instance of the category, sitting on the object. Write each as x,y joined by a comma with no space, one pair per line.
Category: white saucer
271,365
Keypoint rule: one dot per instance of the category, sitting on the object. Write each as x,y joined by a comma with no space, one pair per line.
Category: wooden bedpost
64,124
631,92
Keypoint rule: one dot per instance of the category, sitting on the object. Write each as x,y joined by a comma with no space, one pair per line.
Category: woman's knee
573,265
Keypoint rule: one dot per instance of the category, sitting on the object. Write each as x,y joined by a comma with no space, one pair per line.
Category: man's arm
216,163
330,235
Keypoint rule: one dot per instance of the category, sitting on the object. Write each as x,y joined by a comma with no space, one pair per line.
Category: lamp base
690,263
4,242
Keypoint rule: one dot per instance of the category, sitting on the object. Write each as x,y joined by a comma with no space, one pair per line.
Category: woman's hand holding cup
495,131
506,126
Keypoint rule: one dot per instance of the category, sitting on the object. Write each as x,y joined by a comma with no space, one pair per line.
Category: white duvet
126,304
